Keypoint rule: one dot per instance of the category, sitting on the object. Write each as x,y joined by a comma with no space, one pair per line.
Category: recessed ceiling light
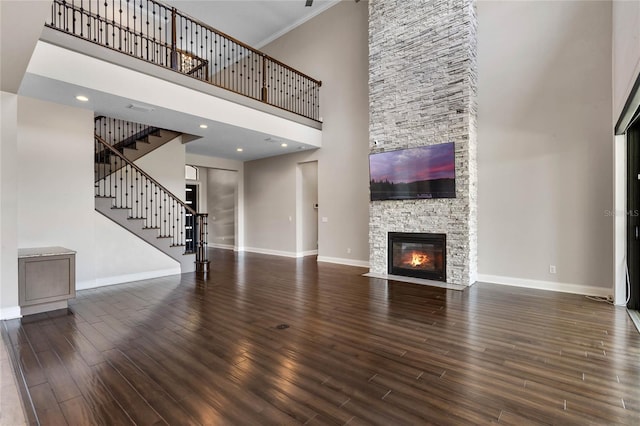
82,98
203,126
239,149
284,145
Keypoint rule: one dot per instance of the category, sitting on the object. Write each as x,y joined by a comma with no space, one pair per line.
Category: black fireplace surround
417,255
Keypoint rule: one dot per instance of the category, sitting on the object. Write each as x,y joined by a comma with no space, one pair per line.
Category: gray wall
221,205
545,143
333,48
270,201
626,51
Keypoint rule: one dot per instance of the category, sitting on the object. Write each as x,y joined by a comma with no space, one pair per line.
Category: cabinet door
46,279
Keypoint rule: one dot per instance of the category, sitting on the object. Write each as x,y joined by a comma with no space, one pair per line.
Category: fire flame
418,259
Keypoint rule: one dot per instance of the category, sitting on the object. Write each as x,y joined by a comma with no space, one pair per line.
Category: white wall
99,77
55,180
120,255
331,47
544,144
166,165
8,206
56,196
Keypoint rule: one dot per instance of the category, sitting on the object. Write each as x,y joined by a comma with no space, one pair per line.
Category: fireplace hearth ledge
421,281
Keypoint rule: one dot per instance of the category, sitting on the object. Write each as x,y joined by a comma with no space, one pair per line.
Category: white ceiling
255,22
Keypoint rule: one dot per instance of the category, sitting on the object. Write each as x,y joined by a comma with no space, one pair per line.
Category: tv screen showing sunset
414,173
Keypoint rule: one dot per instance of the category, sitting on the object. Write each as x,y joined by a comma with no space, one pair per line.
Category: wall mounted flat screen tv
413,173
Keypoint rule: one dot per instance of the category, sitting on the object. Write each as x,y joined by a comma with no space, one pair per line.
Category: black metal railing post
174,52
264,79
200,234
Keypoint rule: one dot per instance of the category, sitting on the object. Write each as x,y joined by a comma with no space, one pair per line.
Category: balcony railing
160,34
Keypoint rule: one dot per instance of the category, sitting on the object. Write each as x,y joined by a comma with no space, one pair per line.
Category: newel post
174,52
264,79
202,258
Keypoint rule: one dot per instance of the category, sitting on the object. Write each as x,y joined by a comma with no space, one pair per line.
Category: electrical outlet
552,269
349,250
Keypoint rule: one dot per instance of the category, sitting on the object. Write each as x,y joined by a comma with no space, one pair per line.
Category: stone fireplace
422,91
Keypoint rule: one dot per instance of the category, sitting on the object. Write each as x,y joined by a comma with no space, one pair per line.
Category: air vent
141,108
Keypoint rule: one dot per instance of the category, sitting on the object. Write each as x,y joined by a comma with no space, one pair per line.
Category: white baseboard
342,261
546,285
11,312
120,279
269,251
308,253
221,246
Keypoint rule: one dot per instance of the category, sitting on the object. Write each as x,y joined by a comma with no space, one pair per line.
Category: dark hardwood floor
183,350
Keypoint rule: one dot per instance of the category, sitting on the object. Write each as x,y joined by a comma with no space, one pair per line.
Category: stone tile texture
423,91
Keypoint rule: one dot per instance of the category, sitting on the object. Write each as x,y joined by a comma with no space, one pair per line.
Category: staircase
130,197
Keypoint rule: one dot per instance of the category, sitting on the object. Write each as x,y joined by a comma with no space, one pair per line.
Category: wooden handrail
235,40
157,33
143,173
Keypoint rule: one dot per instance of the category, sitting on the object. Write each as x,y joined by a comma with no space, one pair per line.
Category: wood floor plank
193,349
156,397
46,405
134,405
61,382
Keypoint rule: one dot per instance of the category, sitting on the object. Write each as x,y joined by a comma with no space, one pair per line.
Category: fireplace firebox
418,255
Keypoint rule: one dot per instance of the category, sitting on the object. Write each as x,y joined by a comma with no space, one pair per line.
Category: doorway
222,199
633,214
307,209
190,199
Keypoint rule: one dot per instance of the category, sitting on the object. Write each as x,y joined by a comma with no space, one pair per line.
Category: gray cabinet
46,278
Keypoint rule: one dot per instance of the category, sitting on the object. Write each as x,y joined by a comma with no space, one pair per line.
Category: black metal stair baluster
82,18
73,16
163,219
113,23
137,200
156,218
182,225
129,182
146,204
172,225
